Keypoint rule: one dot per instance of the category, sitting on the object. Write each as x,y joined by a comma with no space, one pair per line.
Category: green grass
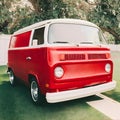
16,104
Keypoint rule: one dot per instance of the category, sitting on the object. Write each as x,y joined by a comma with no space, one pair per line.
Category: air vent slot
97,56
74,56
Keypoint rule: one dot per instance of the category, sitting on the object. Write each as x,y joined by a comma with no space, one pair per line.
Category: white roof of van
36,25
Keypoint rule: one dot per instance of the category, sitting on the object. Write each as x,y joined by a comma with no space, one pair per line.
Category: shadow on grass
9,98
7,105
16,104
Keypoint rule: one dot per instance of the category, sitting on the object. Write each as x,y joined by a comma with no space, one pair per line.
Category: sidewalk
107,106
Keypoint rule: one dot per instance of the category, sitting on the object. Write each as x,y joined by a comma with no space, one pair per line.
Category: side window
38,37
20,40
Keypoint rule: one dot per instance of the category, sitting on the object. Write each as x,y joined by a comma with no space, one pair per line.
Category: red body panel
22,67
79,71
83,66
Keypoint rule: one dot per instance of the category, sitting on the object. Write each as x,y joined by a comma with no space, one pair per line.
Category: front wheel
36,96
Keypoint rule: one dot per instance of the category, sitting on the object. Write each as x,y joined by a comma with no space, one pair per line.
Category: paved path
107,106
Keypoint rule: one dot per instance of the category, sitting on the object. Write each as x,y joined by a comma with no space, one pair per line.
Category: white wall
4,43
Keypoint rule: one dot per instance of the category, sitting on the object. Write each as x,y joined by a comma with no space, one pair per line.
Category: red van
61,59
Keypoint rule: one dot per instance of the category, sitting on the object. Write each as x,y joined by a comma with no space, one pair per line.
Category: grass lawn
16,104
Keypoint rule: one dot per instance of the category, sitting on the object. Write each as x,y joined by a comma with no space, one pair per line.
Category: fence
4,43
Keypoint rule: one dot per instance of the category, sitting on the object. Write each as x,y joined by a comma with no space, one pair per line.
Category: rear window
20,40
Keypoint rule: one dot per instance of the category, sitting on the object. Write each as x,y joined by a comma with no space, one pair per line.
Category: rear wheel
12,78
36,96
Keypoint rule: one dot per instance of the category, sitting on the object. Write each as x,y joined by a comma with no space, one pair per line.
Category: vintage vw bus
61,59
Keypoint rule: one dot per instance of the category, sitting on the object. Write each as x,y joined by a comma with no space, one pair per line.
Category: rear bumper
79,93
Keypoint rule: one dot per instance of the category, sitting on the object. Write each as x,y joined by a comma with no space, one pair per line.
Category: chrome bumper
79,93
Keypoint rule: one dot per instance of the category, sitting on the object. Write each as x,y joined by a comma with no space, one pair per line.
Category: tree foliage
105,13
4,14
14,19
12,15
47,9
107,16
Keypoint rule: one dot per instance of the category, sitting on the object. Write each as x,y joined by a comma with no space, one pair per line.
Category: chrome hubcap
11,77
34,91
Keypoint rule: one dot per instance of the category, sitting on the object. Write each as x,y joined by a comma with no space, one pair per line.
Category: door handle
28,58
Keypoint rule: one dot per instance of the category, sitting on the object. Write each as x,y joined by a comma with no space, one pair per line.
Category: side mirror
35,42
